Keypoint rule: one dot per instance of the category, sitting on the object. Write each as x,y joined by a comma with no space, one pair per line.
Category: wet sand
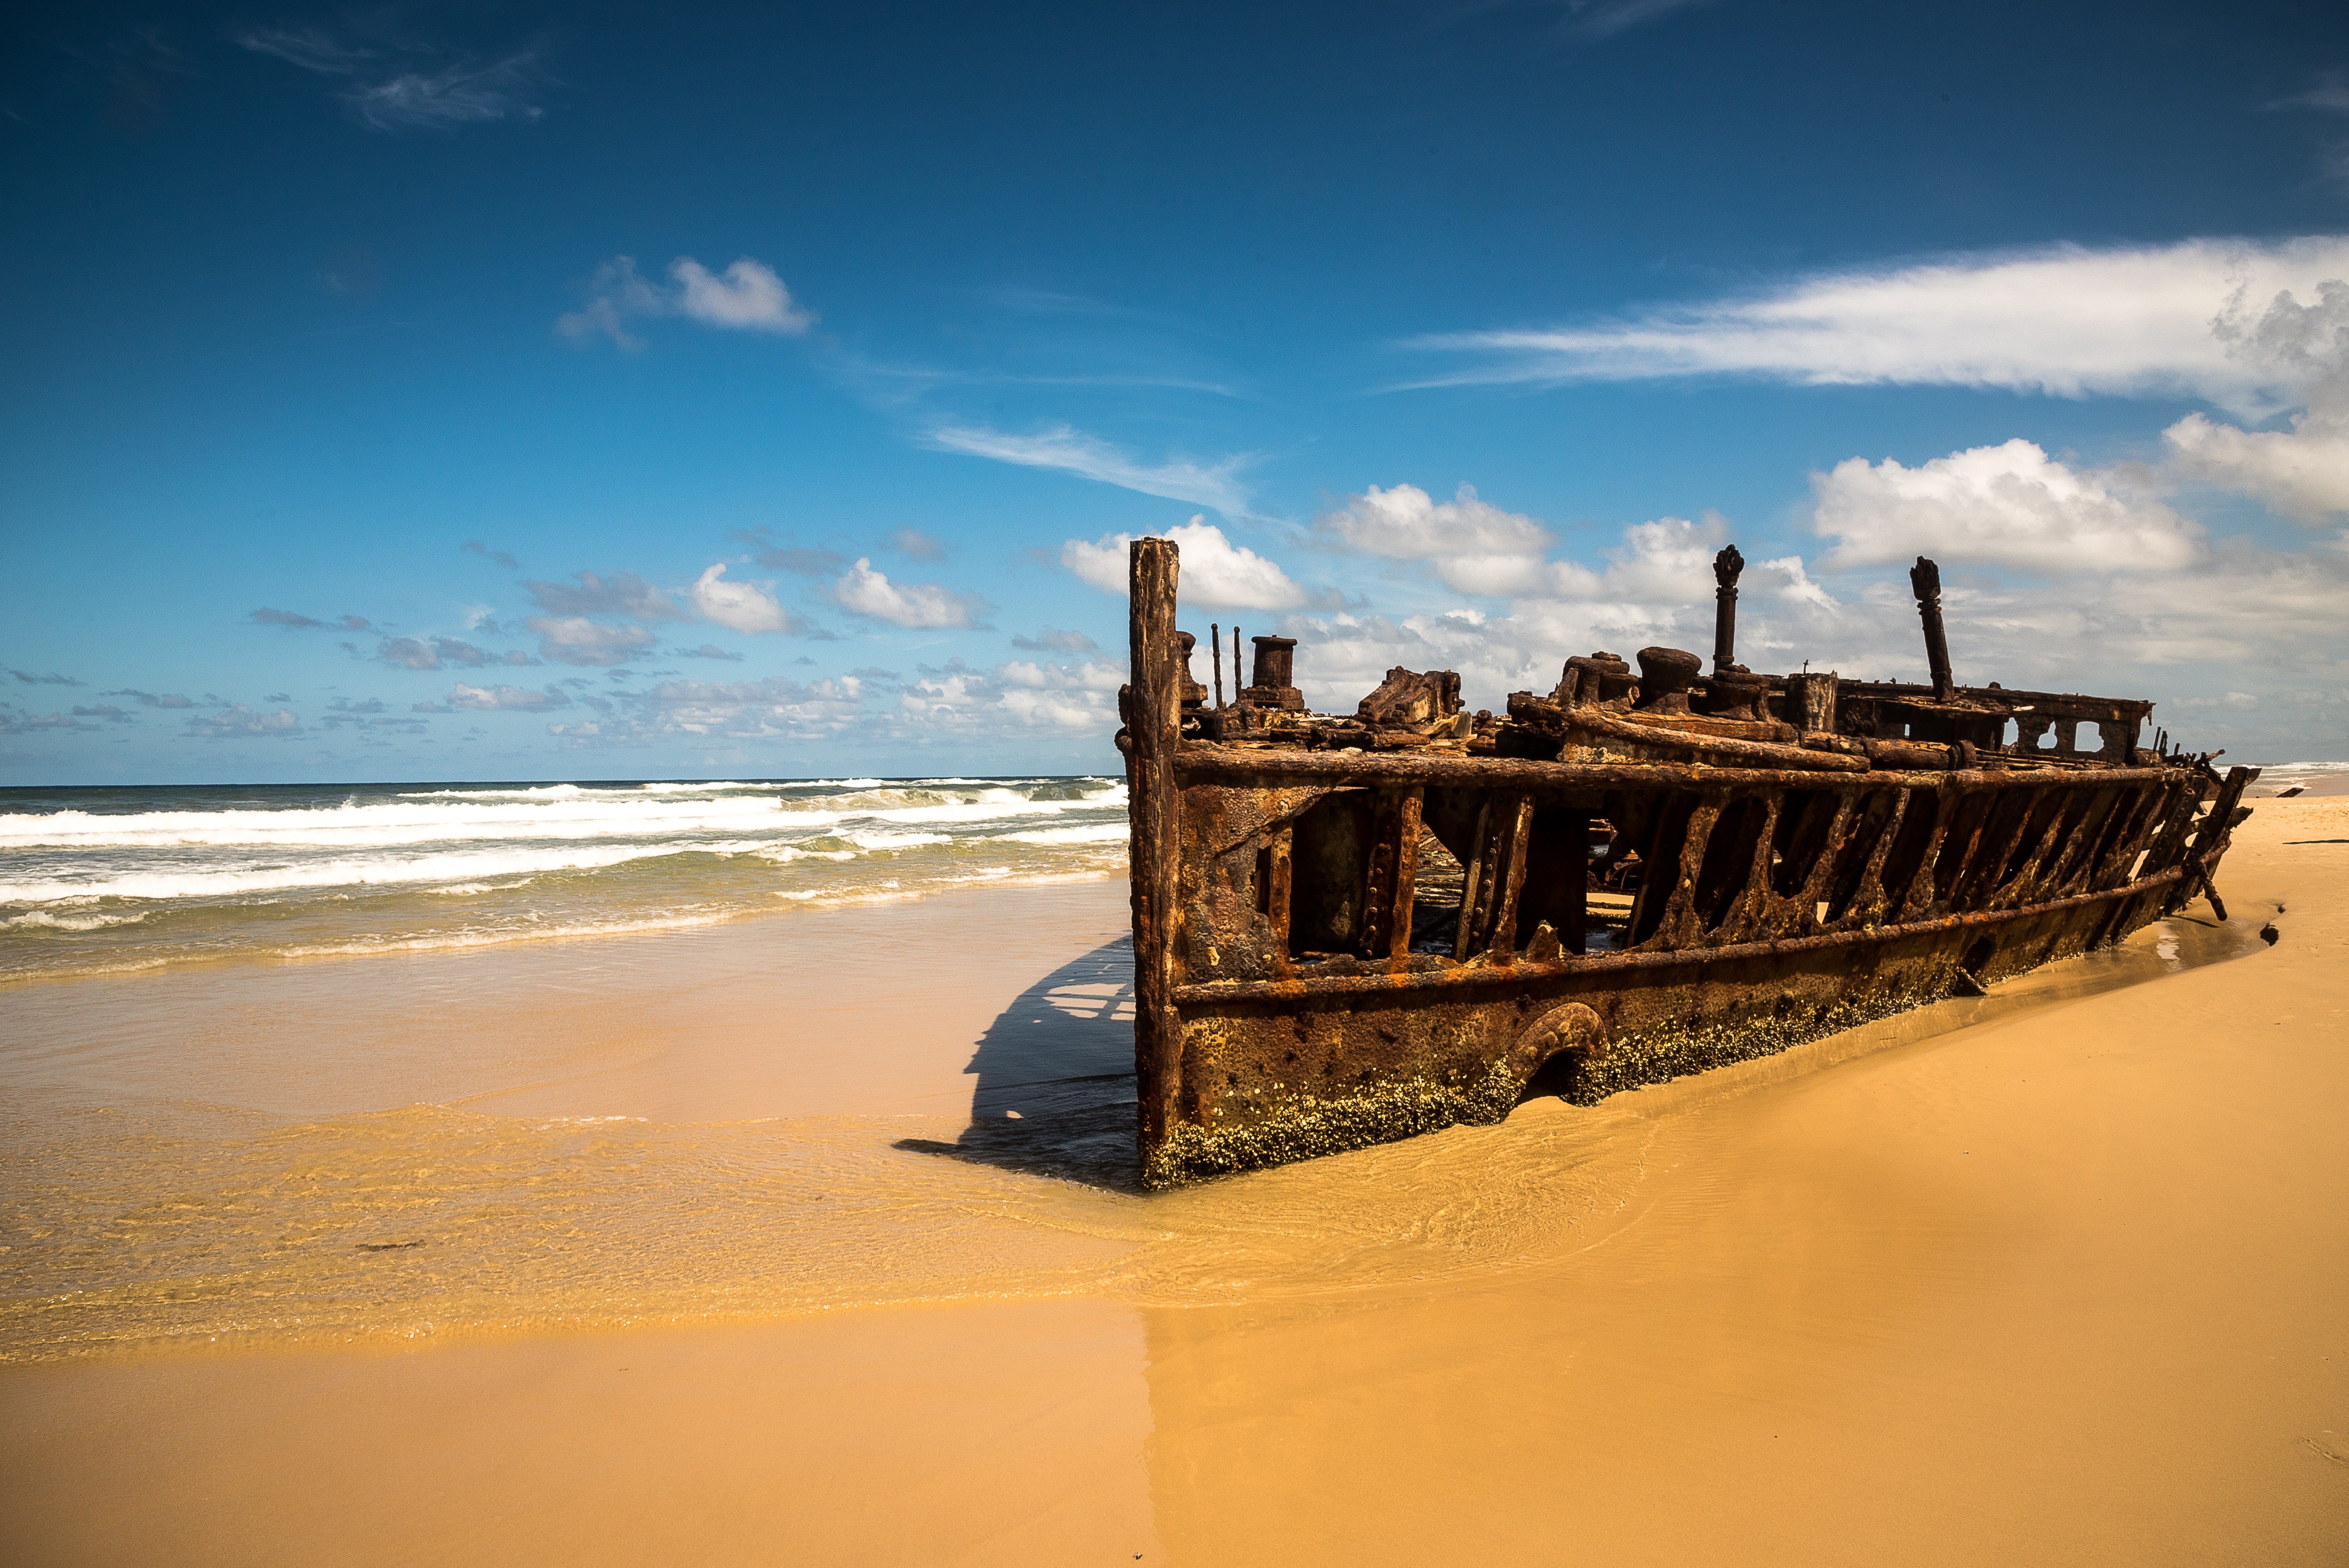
2068,1286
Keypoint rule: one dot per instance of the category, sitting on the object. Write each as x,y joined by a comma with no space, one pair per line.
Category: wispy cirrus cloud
389,90
748,296
1070,450
2193,318
1599,19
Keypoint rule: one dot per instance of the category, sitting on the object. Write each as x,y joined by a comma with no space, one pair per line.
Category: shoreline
2052,1284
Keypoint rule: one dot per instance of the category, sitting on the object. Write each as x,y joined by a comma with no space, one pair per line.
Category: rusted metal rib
1223,991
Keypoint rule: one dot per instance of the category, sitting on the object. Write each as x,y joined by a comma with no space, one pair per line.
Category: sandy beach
719,1246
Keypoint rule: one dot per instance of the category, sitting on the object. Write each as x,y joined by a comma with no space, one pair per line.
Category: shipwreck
1353,928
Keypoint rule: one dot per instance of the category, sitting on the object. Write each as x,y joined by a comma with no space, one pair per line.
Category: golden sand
2070,1284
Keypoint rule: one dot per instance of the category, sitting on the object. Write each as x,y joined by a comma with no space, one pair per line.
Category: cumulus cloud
706,650
737,606
241,723
1072,452
1476,547
28,678
2010,505
577,640
913,605
475,547
505,698
1216,572
105,710
748,296
155,699
622,593
2302,472
2198,317
958,700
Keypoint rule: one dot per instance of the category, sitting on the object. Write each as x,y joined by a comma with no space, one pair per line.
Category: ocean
95,881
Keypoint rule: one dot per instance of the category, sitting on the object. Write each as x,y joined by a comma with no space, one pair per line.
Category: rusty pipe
1726,566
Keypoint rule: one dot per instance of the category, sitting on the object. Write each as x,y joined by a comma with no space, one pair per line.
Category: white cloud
2010,505
2198,317
2301,473
505,698
1214,572
1476,547
747,297
241,723
577,640
738,606
461,94
1071,450
960,700
914,606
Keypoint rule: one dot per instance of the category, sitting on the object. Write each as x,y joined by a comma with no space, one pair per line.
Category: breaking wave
105,880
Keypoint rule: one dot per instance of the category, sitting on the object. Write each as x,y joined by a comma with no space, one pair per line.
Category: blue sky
839,349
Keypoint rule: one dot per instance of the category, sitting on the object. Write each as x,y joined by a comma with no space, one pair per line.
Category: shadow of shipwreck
1056,1087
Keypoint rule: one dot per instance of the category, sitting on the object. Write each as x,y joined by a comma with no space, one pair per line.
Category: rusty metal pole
1725,569
1925,582
1155,728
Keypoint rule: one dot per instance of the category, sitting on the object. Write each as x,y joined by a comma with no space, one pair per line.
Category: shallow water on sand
756,1121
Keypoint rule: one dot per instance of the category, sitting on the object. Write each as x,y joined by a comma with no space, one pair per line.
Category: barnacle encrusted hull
1354,929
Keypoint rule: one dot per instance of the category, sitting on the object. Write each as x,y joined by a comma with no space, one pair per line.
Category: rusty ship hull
1347,932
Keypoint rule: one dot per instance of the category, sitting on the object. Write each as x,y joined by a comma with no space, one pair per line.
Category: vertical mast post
1154,725
1925,582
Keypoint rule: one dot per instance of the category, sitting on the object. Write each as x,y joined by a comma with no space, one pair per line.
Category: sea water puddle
143,1225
